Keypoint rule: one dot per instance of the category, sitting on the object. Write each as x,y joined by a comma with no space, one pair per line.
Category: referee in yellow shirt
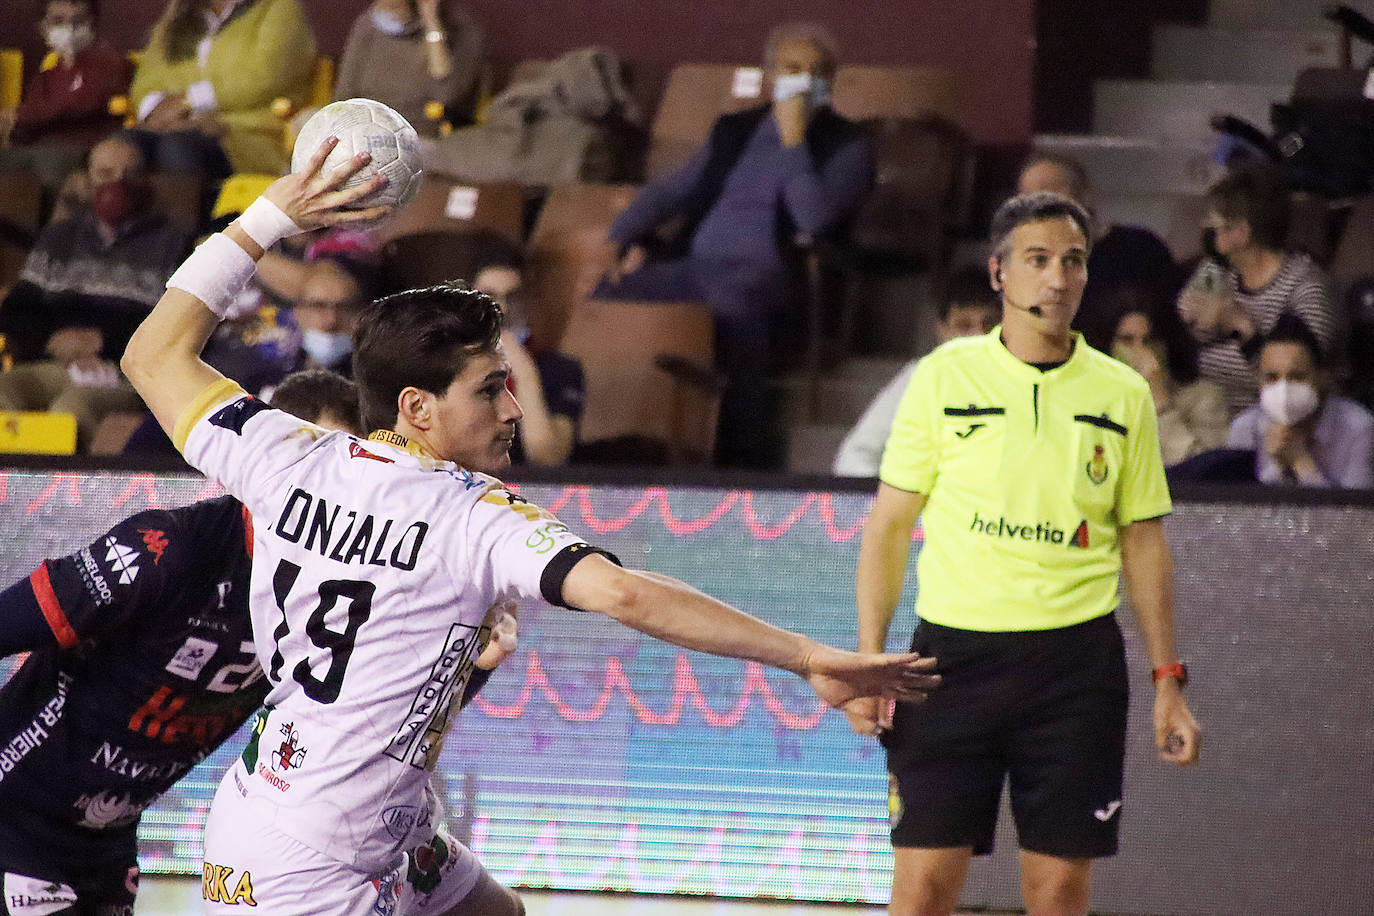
1033,461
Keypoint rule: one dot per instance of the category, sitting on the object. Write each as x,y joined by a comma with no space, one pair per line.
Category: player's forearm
673,611
1149,569
162,359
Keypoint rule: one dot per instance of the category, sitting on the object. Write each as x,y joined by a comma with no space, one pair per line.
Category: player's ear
414,406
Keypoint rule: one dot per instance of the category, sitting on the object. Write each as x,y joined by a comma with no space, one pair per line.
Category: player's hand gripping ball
365,126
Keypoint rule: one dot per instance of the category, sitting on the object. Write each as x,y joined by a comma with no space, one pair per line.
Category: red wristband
1176,670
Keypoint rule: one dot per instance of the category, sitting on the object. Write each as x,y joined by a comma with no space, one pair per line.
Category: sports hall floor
169,896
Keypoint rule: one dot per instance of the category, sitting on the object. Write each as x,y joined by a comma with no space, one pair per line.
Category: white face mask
815,88
69,39
1287,402
326,347
389,23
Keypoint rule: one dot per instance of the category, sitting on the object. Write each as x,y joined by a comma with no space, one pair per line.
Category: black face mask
1209,246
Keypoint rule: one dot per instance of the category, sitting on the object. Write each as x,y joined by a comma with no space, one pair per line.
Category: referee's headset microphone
1000,287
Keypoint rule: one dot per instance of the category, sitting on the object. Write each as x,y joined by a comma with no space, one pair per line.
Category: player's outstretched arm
672,611
1149,568
162,359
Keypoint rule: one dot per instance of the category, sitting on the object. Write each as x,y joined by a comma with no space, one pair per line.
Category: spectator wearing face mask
408,53
103,268
765,179
1301,431
65,109
332,297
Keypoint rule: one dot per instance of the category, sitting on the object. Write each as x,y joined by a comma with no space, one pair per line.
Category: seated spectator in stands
765,178
409,53
1192,412
65,108
1247,281
969,307
103,268
1302,432
205,85
332,297
1129,267
547,383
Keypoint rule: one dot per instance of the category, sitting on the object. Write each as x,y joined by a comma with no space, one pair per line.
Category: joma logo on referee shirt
1045,532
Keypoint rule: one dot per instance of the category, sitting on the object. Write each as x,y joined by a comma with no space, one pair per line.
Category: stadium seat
652,393
37,433
11,78
568,252
21,203
181,196
865,91
446,205
428,258
1353,258
696,94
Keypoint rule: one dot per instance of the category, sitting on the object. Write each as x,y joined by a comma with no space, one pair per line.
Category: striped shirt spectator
1225,359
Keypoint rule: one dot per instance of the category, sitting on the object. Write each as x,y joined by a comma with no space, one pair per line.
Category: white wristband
215,273
266,223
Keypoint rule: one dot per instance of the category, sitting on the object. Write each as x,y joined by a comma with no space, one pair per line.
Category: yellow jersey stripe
215,393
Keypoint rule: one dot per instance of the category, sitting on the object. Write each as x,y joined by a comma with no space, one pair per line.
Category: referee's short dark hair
1035,208
1258,194
421,338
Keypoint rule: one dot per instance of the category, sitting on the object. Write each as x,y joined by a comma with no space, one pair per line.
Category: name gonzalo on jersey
347,535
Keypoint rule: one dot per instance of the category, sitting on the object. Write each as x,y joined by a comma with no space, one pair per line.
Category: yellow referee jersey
1029,477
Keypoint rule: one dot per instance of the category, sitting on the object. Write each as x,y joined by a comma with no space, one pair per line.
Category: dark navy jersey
142,664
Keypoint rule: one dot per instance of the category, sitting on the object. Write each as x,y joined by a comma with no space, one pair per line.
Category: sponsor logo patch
1109,812
155,541
357,451
219,886
233,416
192,657
110,809
25,896
289,755
388,893
123,560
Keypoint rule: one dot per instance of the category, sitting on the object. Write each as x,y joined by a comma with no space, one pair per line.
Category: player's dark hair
968,286
1258,194
421,338
1291,329
311,393
1034,208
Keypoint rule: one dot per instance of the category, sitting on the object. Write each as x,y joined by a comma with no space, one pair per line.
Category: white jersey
373,572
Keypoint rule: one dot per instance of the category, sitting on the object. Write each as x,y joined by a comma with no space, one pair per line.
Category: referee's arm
1149,569
878,583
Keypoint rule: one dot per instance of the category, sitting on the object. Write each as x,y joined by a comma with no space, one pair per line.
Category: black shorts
1045,710
83,892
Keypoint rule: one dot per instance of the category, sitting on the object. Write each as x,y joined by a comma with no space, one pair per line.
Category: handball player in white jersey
375,564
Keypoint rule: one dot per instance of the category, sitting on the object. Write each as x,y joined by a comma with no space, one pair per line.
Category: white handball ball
363,125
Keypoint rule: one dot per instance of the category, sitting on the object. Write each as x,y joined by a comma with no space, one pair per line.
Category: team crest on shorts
1097,467
895,809
388,893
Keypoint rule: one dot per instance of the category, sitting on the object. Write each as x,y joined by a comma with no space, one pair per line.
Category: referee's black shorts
1044,710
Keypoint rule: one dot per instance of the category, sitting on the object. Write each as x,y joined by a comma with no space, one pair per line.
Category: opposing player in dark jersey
141,665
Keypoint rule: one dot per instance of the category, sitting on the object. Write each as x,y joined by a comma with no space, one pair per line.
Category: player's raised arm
677,613
163,356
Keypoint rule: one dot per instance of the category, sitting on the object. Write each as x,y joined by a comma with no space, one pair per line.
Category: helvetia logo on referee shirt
1044,532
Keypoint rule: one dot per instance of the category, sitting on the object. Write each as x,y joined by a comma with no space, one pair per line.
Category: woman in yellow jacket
205,85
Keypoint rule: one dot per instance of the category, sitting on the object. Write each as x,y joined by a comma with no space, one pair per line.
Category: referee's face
474,420
1043,276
